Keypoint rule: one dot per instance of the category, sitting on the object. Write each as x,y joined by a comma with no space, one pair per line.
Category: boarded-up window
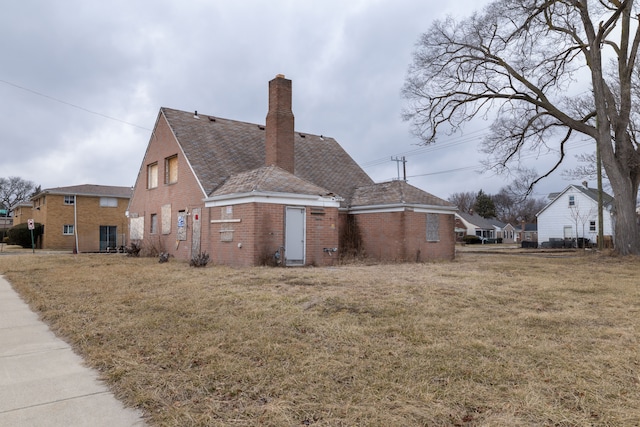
154,224
137,228
181,233
226,229
152,175
166,219
171,170
108,202
433,227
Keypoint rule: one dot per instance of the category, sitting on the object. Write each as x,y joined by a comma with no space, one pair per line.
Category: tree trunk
626,233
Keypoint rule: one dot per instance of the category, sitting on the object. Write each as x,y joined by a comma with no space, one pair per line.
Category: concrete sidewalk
43,382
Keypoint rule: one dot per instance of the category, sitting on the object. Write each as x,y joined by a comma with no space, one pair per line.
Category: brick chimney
279,130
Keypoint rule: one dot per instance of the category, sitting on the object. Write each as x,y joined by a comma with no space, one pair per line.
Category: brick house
86,218
250,194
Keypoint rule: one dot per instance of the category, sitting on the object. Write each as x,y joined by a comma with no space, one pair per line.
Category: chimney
279,131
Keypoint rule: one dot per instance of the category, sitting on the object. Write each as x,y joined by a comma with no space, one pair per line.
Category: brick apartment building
250,194
86,218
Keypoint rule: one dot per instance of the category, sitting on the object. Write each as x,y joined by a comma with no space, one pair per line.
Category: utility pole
402,160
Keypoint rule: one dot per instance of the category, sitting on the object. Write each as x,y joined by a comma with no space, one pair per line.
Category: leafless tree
464,200
527,63
14,190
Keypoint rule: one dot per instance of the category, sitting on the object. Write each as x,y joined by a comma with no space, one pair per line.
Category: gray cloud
82,82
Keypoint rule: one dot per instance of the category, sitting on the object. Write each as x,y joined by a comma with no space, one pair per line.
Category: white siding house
574,213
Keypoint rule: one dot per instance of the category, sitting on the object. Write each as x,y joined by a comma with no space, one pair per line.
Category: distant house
86,218
527,233
251,194
573,213
475,225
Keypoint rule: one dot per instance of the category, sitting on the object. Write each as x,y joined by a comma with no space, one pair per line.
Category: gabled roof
396,192
218,149
477,220
89,190
592,193
268,179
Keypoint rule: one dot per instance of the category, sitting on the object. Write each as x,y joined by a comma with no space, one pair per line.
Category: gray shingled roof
476,220
90,190
395,192
218,149
268,179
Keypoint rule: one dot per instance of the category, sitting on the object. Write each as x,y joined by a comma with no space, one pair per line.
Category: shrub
133,249
470,239
21,235
200,260
163,257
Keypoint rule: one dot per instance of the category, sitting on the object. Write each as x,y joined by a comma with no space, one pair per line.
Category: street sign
31,224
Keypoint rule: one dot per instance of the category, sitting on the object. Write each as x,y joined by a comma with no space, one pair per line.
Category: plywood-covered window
433,227
152,175
154,224
171,170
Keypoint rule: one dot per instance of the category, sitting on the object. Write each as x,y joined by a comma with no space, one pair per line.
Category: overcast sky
81,83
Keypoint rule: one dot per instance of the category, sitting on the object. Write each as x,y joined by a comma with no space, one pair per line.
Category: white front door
294,243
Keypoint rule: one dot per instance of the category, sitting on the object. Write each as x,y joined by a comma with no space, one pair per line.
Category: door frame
289,233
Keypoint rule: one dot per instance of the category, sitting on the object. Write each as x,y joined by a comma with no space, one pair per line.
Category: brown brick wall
260,233
401,237
54,214
185,195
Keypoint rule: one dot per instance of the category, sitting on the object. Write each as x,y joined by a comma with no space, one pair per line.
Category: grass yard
486,340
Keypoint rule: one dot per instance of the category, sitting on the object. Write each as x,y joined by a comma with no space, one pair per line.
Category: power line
86,110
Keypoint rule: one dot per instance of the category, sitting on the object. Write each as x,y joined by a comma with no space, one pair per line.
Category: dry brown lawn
486,340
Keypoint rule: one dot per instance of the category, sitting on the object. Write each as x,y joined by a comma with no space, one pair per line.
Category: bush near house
21,235
470,239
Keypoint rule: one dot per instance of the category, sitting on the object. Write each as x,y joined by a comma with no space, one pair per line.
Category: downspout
75,220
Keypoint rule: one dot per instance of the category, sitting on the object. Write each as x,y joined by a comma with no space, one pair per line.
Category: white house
574,213
474,225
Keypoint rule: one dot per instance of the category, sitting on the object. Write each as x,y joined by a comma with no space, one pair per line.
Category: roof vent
212,119
261,127
303,135
195,115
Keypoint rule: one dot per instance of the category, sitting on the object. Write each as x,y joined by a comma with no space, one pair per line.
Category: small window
152,175
592,226
572,200
154,224
433,227
69,200
171,170
67,229
108,202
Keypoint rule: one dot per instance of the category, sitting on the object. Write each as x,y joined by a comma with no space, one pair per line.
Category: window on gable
69,200
171,170
433,227
572,200
592,226
67,229
152,175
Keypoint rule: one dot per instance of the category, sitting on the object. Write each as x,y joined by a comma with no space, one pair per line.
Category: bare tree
580,217
464,201
526,62
14,190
